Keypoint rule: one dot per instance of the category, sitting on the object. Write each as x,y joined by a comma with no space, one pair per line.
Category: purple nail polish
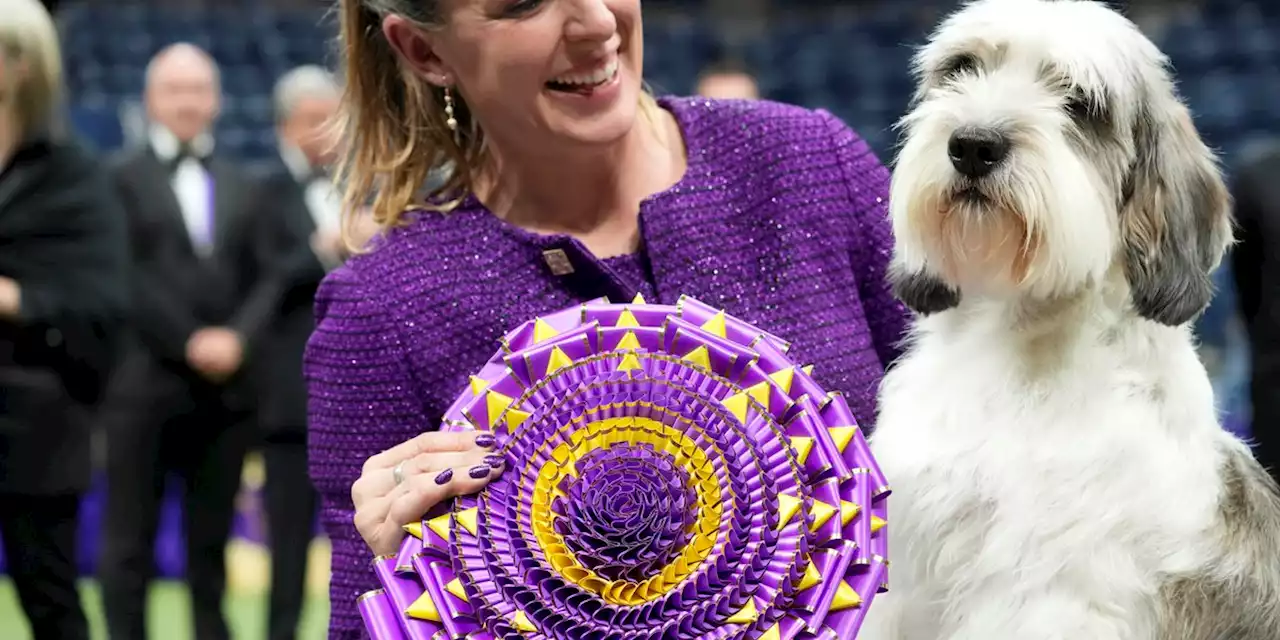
479,471
445,476
485,440
494,461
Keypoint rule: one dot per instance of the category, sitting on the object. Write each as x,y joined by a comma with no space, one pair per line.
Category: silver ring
398,473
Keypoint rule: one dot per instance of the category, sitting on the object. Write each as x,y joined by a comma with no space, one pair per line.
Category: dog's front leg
1049,616
902,614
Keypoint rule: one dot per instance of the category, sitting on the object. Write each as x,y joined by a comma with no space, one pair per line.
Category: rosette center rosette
626,512
670,473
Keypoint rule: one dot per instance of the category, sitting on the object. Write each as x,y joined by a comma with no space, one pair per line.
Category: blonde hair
393,130
29,44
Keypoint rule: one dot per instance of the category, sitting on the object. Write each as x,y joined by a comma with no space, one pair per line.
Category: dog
1057,464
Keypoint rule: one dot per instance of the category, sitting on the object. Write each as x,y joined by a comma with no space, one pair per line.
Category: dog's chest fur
1033,477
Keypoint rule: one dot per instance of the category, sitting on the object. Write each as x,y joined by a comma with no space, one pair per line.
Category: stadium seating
1227,53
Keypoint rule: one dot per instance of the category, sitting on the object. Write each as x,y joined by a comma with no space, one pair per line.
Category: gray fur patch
1238,598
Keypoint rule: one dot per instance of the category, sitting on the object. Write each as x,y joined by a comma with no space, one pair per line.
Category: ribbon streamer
670,474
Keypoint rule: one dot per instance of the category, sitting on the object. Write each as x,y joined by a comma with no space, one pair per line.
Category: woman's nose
591,20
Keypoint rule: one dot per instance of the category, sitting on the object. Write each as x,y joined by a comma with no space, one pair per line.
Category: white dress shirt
322,199
192,185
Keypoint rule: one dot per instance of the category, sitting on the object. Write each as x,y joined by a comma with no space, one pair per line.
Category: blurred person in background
1257,280
182,401
728,79
63,296
569,183
296,225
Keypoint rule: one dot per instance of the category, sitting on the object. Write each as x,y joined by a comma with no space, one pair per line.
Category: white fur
1054,457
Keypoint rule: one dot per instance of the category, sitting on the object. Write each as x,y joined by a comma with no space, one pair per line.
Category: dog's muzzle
976,152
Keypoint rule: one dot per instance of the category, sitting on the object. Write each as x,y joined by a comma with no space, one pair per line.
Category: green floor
170,614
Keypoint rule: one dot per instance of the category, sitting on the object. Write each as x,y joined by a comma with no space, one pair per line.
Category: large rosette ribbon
670,474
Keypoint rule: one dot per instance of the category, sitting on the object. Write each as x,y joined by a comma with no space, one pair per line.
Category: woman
569,183
62,284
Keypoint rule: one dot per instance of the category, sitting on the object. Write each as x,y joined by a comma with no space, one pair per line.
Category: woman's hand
401,484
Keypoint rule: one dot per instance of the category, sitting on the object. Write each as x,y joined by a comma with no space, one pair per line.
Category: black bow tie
186,152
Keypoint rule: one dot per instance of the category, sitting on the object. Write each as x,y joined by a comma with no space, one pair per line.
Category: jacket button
53,338
558,261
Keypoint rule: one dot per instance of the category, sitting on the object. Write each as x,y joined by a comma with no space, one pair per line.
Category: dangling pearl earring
450,121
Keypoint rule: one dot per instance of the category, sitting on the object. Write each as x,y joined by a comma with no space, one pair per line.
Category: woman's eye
521,7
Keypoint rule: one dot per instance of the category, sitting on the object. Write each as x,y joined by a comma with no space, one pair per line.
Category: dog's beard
981,236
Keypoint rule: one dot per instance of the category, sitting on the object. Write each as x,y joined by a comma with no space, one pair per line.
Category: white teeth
598,76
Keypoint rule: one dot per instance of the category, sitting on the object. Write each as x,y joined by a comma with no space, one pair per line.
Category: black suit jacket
291,272
176,290
63,239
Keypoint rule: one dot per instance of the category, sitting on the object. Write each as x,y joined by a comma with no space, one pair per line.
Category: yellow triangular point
700,357
495,403
414,529
629,362
629,341
760,393
784,378
440,525
543,331
737,405
877,524
848,511
807,369
843,436
455,587
846,598
424,608
478,385
803,445
515,418
747,615
467,518
774,633
558,360
821,512
811,577
715,326
788,506
522,623
639,299
627,319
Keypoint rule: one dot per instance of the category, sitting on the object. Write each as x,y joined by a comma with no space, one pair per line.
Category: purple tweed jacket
780,220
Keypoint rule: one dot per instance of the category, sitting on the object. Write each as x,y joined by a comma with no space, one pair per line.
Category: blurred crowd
156,291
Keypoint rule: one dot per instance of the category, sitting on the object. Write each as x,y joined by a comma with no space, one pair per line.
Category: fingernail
494,461
479,471
445,476
485,440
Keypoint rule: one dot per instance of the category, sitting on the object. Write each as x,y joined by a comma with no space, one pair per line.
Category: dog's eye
1082,108
1079,107
956,65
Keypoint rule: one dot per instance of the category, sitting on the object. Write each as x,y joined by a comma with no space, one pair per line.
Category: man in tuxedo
298,227
180,403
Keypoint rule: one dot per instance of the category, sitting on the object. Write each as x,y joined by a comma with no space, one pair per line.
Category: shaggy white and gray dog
1058,467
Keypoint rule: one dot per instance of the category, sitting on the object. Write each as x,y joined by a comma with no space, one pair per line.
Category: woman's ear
416,50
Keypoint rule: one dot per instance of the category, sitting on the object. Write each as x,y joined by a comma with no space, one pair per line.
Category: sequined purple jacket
780,219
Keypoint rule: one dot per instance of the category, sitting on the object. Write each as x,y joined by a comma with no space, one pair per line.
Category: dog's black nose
975,152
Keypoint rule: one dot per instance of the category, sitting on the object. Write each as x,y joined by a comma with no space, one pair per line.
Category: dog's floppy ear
922,292
1175,218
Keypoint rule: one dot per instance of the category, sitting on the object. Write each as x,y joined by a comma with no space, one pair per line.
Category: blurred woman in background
62,300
